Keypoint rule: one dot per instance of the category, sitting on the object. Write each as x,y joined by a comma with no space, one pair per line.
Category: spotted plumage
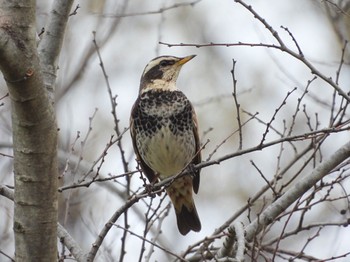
164,132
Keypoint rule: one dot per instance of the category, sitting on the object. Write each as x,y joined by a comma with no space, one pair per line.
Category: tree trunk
34,134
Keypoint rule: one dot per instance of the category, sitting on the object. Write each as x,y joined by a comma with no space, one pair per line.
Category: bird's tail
180,193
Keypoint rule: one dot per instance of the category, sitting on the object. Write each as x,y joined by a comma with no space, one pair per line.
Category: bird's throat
160,84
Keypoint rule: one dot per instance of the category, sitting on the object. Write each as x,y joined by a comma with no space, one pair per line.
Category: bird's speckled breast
164,131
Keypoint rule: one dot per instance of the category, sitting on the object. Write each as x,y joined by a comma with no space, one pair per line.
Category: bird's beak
185,59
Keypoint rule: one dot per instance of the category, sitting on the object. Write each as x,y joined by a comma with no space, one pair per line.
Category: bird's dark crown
157,66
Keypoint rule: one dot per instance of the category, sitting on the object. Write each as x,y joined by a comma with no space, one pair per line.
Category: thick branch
51,42
70,243
295,192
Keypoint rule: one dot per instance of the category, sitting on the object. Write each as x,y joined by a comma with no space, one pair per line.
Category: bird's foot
191,170
150,190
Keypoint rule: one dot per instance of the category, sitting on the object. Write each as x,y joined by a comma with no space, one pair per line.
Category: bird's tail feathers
188,219
180,193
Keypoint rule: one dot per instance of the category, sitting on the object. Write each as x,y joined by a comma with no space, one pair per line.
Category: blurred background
128,35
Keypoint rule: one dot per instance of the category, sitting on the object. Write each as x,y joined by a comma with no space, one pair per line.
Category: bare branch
274,115
235,239
119,143
296,191
282,47
70,243
234,94
153,244
159,11
6,192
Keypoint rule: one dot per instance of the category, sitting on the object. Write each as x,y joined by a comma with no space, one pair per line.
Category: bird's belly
168,153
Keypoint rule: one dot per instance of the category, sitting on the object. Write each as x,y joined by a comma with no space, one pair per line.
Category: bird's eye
165,63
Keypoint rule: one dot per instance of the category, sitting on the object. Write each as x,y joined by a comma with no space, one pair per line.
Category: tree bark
34,134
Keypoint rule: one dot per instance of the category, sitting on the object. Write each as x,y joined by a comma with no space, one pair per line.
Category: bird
164,133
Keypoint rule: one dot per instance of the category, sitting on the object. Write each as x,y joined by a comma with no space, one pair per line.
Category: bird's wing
150,174
198,157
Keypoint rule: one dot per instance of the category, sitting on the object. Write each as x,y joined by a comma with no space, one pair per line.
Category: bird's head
162,72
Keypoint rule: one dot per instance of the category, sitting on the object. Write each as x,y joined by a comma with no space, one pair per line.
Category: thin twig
280,47
274,115
159,11
228,137
119,143
75,11
234,94
297,108
264,178
152,243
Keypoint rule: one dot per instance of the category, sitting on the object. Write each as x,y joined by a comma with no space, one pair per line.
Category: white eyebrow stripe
155,62
150,65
